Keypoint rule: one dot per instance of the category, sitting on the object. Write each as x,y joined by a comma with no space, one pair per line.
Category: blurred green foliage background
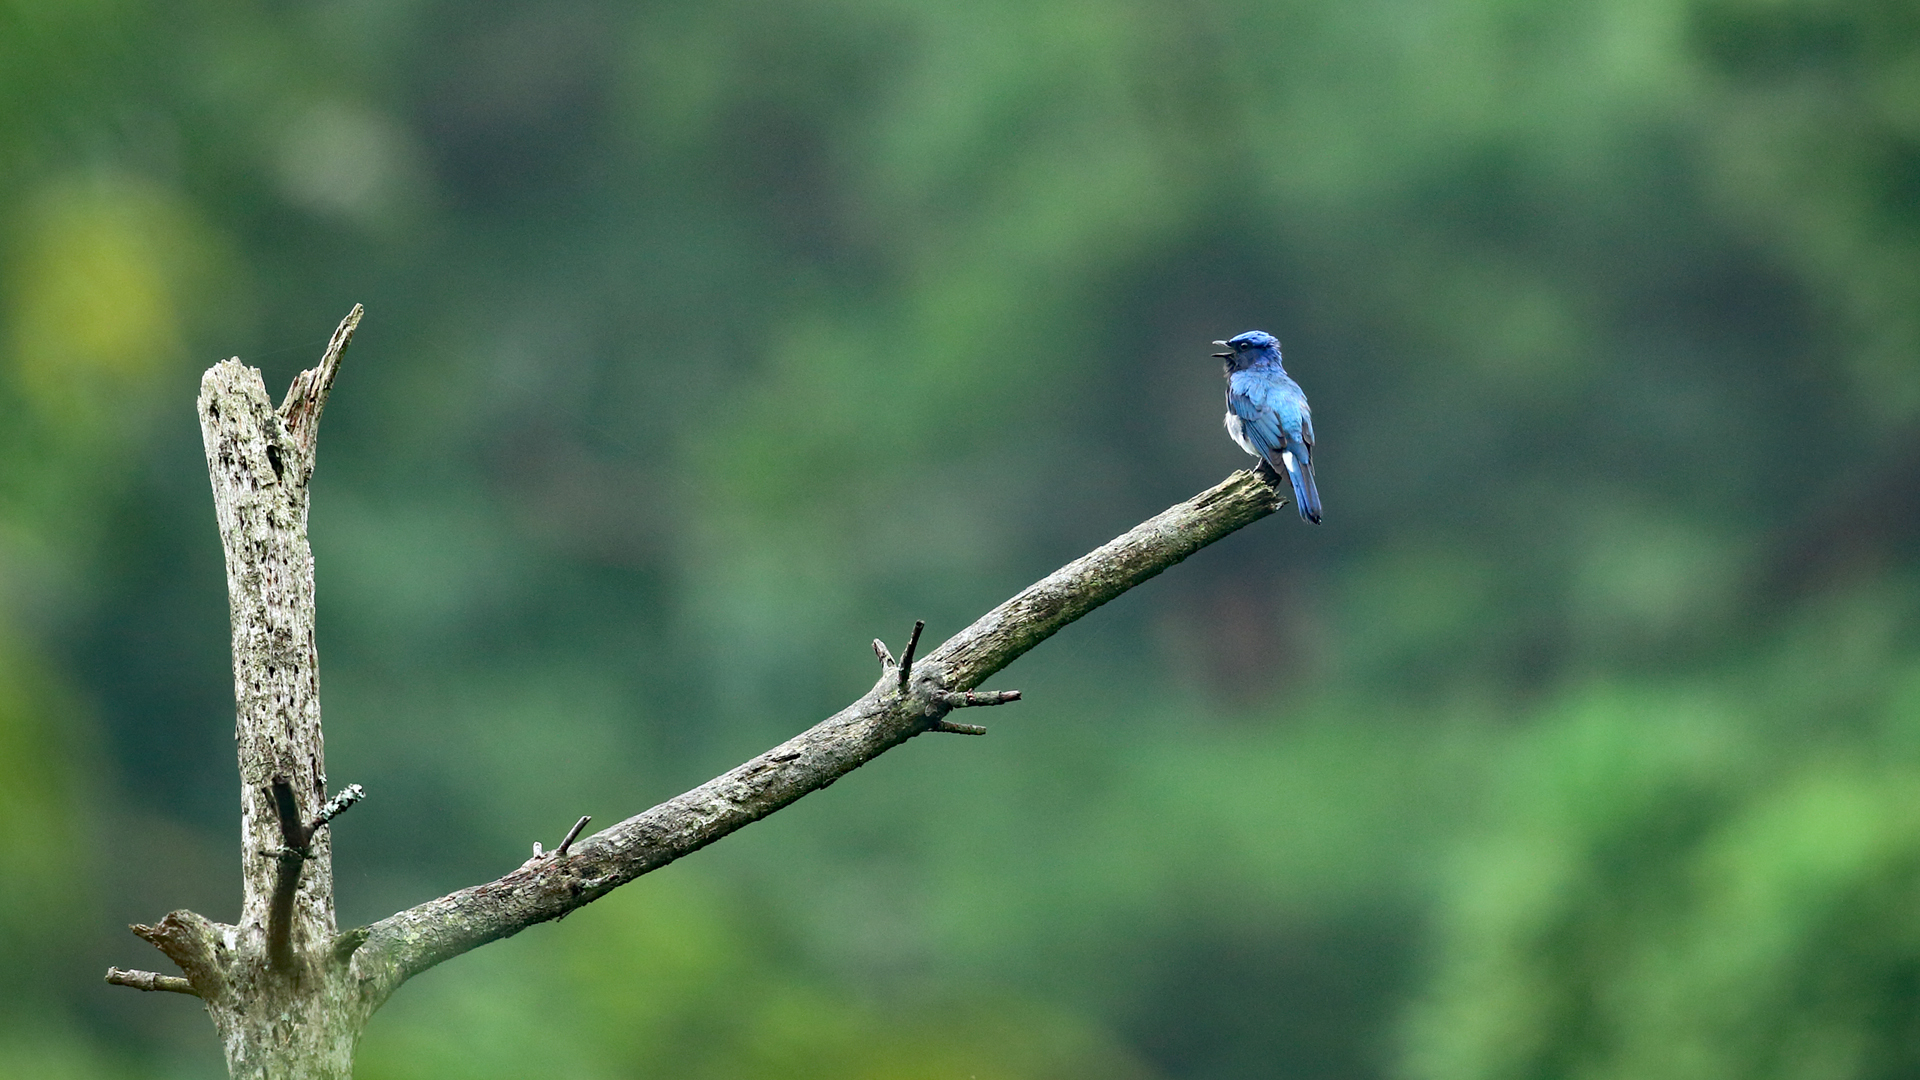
707,341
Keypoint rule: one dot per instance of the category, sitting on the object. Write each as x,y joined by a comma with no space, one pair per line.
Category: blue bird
1267,414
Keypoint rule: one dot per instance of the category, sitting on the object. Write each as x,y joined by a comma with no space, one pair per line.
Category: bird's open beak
1228,355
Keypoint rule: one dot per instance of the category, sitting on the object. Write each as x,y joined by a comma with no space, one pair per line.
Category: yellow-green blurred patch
98,279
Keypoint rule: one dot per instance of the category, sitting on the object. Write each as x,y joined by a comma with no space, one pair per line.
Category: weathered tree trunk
288,994
283,1001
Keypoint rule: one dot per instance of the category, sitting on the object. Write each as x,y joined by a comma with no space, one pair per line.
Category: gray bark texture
289,994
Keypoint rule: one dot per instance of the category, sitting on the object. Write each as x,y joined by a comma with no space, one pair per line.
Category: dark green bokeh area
708,341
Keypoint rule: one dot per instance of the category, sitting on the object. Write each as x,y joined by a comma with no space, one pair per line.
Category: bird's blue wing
1295,418
1267,415
1249,397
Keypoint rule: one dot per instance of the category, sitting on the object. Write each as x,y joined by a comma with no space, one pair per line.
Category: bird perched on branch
1267,414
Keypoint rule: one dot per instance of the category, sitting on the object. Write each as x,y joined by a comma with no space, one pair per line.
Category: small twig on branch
880,650
540,852
286,883
292,857
561,851
967,699
906,658
293,834
336,806
298,848
150,980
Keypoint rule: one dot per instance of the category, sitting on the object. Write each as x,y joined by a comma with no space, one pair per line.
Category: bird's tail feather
1300,472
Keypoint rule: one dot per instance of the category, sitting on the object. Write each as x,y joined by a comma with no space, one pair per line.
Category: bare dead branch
895,710
150,980
1000,636
287,991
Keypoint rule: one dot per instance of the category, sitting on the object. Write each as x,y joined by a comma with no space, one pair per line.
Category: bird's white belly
1237,431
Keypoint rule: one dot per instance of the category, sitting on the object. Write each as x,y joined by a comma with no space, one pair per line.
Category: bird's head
1247,347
